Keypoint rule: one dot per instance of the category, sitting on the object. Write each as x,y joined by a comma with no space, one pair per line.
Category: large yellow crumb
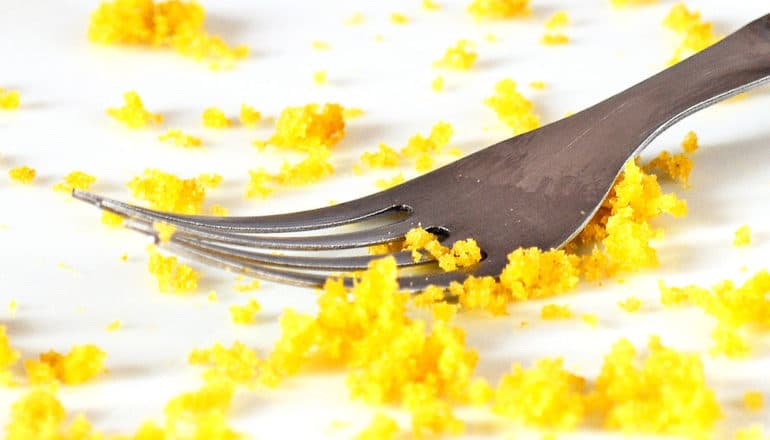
742,236
499,8
9,99
238,363
177,24
245,314
398,18
81,364
463,253
512,107
461,56
172,276
734,307
676,166
38,415
75,180
753,400
558,19
249,117
665,393
384,157
309,127
555,311
382,427
133,114
309,170
23,174
214,117
545,396
695,33
8,357
180,138
167,192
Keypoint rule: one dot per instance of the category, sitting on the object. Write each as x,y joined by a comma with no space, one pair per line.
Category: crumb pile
172,23
81,364
167,192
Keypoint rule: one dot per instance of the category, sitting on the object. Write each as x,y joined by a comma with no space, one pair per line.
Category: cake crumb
742,236
23,174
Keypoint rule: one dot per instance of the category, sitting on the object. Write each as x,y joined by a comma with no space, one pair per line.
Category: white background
67,83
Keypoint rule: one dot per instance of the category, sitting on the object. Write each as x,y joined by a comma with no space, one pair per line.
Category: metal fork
537,189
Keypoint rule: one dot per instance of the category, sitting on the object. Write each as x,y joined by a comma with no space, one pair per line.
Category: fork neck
739,62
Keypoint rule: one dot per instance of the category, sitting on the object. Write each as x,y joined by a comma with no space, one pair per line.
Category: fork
536,189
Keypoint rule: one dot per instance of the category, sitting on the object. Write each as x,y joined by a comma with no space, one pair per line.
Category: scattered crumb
23,174
320,45
355,18
180,139
133,114
461,56
555,311
115,325
437,85
75,180
630,304
319,77
214,117
249,117
245,314
742,236
398,18
496,9
9,99
559,19
753,400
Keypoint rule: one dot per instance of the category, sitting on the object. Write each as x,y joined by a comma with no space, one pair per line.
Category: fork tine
357,262
344,213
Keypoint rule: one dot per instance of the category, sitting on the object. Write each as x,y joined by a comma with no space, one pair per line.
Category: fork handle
737,63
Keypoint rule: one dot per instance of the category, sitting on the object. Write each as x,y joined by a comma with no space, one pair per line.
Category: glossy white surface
66,85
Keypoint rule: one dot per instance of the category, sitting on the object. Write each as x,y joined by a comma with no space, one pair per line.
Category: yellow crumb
177,24
111,219
238,363
742,236
558,19
554,39
309,170
75,180
544,396
352,113
320,45
555,311
630,304
248,116
499,8
13,307
398,179
36,414
258,185
219,211
538,85
461,56
309,127
424,149
512,107
753,432
695,33
398,18
319,77
8,357
625,3
172,276
214,117
676,166
167,192
431,5
437,85
23,174
381,427
753,400
9,99
690,142
124,257
114,325
491,38
245,314
590,319
132,113
81,364
242,285
379,38
355,18
199,414
180,139
733,306
164,231
384,157
212,296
